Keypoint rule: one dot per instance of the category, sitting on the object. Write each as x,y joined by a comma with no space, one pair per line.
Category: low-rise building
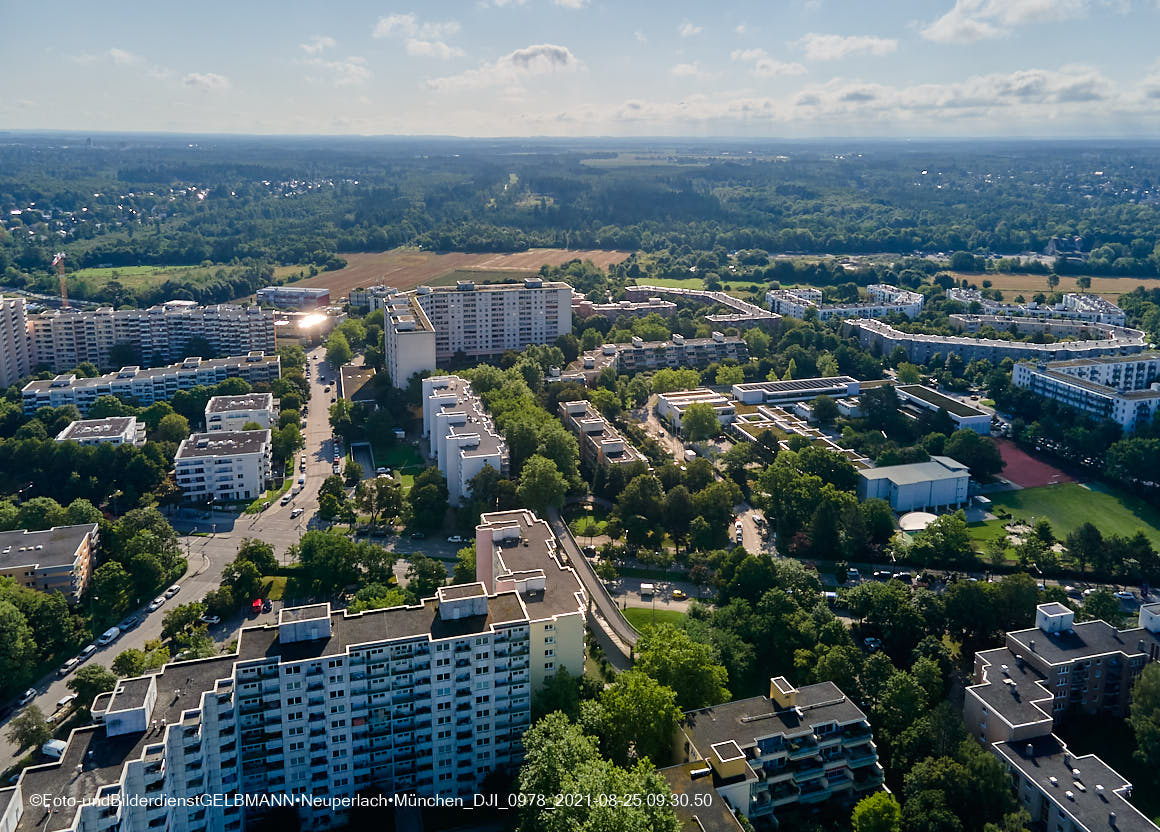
233,413
59,559
1038,679
461,436
223,465
1124,390
671,407
795,390
769,756
962,414
940,483
293,297
883,300
600,442
144,387
354,384
584,308
371,298
114,430
759,423
676,353
1080,307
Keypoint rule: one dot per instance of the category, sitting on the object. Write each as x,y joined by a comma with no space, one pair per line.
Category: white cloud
641,37
765,66
819,47
689,70
123,58
571,4
688,30
344,72
529,62
317,44
740,29
409,26
972,20
209,81
432,49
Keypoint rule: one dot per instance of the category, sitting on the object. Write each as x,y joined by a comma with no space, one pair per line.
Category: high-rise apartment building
235,412
223,465
15,358
461,436
427,700
63,338
409,338
1121,389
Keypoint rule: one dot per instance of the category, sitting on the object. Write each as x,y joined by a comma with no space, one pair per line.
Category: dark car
266,606
129,623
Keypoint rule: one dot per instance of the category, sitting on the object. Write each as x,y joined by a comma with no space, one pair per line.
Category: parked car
297,512
1124,595
109,636
286,498
156,603
417,535
129,623
381,471
88,652
68,667
302,480
853,575
325,389
905,577
872,645
455,539
266,605
173,590
28,696
679,595
210,619
65,701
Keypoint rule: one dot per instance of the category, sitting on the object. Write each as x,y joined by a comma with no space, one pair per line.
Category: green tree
91,681
730,374
825,410
259,553
692,669
700,422
338,351
428,499
1144,715
979,453
134,662
172,428
878,812
541,484
29,729
424,576
18,649
111,591
1101,605
635,718
464,566
179,620
329,559
40,513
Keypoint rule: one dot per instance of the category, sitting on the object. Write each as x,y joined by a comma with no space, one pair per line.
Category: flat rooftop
938,468
309,613
223,443
354,380
704,810
1089,638
563,592
1046,759
744,721
130,693
248,401
796,385
137,374
478,420
374,626
111,427
933,397
1012,687
52,547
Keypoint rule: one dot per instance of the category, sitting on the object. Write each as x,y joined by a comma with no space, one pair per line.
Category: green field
86,281
1069,505
641,617
675,282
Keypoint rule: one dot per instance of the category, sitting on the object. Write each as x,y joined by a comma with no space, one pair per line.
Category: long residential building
1040,678
769,756
676,353
743,312
584,308
600,442
1075,306
920,347
148,386
883,300
15,352
1125,390
461,436
293,297
427,700
223,465
59,559
63,338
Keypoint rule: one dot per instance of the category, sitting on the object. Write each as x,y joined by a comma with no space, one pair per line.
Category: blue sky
793,68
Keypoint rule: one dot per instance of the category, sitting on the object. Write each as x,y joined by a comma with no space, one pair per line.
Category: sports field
1025,470
1069,505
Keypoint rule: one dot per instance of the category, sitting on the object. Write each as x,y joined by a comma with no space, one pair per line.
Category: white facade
293,297
919,486
1125,390
234,412
461,436
409,338
148,386
884,300
797,390
1079,307
372,297
676,353
63,338
114,430
223,465
15,352
671,407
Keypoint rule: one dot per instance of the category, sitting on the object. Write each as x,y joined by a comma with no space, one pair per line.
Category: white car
455,539
297,512
87,652
173,590
68,667
28,696
156,603
210,619
65,701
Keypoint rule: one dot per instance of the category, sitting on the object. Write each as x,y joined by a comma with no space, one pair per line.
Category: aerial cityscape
578,417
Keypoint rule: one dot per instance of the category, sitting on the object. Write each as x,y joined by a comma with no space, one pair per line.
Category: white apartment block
148,386
743,312
461,436
372,297
409,338
293,297
63,338
15,353
600,442
113,430
1075,306
675,354
1039,678
584,308
920,347
427,700
1125,390
234,412
883,300
515,550
671,407
224,465
797,390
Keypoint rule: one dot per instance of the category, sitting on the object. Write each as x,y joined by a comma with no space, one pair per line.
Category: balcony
802,748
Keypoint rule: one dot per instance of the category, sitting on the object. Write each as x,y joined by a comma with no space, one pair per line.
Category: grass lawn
641,617
983,533
1069,505
274,587
136,277
1113,741
584,523
675,282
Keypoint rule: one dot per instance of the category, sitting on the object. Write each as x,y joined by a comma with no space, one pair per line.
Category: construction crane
58,264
